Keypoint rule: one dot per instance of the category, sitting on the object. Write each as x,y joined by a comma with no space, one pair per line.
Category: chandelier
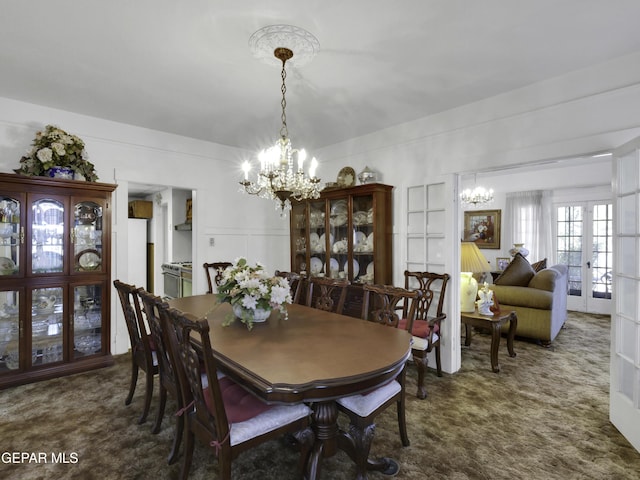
281,176
478,195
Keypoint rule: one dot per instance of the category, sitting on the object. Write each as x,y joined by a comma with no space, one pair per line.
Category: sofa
539,298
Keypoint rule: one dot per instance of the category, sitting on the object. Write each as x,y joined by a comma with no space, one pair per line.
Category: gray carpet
544,416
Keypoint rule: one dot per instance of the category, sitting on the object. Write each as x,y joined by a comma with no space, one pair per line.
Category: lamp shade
471,261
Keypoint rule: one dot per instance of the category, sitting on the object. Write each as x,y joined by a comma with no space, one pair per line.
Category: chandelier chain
284,131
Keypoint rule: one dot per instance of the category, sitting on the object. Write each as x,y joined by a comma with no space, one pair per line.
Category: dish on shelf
360,218
316,218
7,266
315,265
323,243
370,241
89,259
339,207
346,177
359,237
334,265
370,269
356,267
338,219
340,246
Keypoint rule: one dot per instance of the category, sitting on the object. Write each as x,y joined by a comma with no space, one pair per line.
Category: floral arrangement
54,147
251,288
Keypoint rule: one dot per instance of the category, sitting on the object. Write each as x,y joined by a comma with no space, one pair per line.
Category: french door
624,393
584,242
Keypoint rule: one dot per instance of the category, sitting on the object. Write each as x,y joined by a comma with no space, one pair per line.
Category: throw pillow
519,272
540,265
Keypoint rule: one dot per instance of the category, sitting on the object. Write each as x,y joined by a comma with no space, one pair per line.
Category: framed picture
502,262
483,228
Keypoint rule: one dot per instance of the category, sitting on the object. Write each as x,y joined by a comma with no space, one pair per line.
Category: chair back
151,306
330,295
134,318
216,268
389,305
433,286
208,416
296,282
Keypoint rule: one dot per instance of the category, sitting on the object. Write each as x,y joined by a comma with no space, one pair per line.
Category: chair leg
402,422
163,401
147,396
438,361
421,365
177,440
134,381
188,454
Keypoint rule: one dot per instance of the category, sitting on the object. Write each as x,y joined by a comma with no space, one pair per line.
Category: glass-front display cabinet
346,233
54,277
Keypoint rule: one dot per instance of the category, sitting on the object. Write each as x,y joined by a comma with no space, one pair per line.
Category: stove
177,279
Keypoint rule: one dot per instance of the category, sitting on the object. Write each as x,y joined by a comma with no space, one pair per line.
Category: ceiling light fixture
479,195
281,176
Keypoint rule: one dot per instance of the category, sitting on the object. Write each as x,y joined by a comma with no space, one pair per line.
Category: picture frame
483,228
502,262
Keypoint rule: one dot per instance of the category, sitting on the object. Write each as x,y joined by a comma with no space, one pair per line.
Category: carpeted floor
544,416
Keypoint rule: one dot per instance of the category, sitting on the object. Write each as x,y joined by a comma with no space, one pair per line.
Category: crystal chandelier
281,176
477,195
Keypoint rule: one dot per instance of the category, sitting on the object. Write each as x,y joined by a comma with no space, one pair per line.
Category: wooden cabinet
55,279
346,233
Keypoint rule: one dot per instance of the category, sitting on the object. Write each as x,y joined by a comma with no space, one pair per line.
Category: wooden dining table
312,356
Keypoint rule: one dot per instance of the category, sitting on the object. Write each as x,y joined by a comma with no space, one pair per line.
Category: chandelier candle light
281,176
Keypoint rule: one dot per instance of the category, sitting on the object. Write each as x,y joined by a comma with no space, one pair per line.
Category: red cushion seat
239,404
420,328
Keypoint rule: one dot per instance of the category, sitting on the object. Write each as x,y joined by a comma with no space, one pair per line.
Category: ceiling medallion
265,41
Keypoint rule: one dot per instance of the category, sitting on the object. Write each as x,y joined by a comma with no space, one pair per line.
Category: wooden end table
493,323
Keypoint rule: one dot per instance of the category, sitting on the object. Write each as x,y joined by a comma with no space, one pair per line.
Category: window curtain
528,220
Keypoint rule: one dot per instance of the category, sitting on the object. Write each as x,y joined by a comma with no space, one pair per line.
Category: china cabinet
55,261
346,233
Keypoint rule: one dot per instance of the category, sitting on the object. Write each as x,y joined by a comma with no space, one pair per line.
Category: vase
258,315
518,248
61,172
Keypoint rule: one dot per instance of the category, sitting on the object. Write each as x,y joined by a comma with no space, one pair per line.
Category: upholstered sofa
539,298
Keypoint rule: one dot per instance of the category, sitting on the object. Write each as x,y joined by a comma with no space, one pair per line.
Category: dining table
308,355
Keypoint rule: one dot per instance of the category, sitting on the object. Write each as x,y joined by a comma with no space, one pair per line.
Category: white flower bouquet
250,289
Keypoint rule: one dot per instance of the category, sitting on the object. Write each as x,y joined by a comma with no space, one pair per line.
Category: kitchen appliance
177,279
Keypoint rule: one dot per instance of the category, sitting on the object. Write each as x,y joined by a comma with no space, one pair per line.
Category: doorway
584,242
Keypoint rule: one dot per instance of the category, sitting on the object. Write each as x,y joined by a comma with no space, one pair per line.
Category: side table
494,323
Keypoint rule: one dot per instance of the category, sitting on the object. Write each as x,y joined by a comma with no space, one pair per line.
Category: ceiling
186,68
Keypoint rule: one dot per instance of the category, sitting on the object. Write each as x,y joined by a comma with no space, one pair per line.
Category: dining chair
380,304
215,268
426,329
220,412
143,353
166,368
296,282
330,295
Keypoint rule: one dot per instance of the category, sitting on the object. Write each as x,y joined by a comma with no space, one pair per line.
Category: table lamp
471,261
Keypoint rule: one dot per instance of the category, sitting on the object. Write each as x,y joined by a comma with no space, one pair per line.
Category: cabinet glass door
299,237
87,236
363,238
11,235
47,236
87,320
317,238
9,331
338,239
46,325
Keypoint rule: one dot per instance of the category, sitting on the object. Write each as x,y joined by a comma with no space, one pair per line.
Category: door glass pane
9,235
47,248
569,245
363,266
337,243
87,315
87,247
602,260
299,237
316,232
9,331
46,326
